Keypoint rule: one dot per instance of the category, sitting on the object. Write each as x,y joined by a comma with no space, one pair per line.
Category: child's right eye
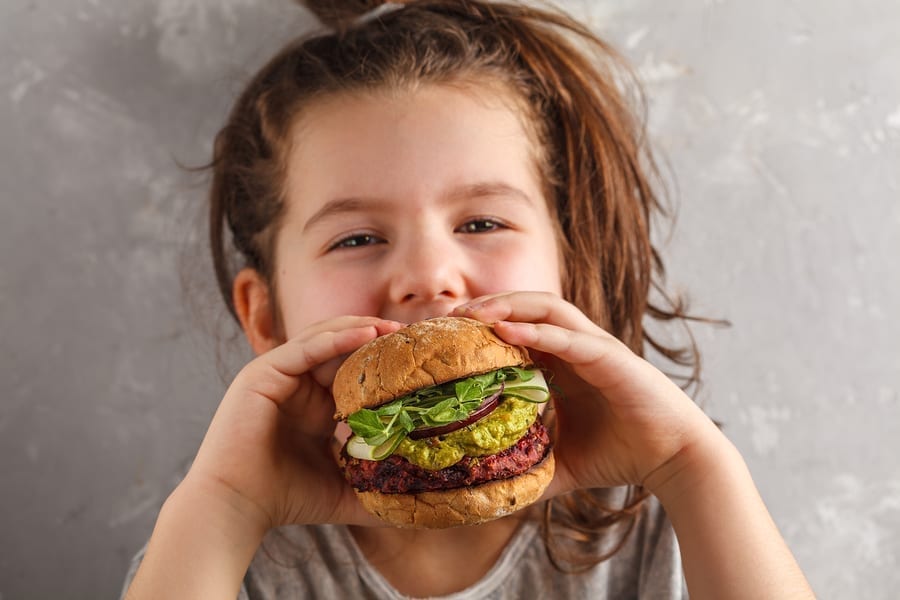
356,241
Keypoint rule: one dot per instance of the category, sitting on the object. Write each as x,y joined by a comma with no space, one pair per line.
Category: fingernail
467,308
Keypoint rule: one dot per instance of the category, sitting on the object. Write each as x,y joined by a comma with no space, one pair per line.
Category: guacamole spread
492,434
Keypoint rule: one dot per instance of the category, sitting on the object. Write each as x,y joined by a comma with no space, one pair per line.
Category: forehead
410,141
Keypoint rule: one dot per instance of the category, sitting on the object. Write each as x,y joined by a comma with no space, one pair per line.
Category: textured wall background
780,122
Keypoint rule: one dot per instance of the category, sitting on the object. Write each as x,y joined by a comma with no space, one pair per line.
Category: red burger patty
396,475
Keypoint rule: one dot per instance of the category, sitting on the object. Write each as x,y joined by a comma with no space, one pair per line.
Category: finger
529,307
329,340
597,357
348,322
275,374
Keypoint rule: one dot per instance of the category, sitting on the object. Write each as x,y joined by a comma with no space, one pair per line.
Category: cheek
302,303
309,296
532,267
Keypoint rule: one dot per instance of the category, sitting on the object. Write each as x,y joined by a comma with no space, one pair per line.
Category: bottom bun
461,506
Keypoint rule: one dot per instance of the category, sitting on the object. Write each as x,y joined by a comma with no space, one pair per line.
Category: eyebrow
488,188
353,204
340,206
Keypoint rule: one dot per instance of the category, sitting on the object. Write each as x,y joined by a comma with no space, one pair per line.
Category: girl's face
406,205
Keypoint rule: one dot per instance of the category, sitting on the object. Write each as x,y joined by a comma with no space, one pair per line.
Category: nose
427,278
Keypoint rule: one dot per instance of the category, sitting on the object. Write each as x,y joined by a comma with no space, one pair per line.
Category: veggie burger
446,425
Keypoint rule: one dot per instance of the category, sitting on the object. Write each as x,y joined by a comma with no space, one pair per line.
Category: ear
255,309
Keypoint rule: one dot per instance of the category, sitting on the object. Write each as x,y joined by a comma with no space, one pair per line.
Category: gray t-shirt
324,562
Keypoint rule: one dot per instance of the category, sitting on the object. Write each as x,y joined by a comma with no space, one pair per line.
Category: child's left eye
480,226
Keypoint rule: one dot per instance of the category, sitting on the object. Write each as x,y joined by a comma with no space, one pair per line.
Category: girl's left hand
619,419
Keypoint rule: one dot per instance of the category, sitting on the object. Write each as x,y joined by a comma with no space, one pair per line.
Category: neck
435,562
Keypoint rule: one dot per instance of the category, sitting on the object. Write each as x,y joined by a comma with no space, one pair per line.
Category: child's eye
356,241
480,226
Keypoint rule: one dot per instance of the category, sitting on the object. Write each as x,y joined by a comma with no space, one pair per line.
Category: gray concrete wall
780,122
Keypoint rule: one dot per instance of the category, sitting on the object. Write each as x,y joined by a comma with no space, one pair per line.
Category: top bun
423,354
338,14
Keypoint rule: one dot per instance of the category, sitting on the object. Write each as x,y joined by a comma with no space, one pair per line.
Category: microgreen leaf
366,424
390,409
444,411
523,374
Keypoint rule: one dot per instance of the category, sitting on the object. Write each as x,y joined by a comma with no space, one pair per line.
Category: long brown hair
586,111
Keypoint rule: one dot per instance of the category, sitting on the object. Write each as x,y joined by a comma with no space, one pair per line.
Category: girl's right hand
269,451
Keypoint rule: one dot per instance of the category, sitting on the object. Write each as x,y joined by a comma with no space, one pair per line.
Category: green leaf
367,424
390,409
489,379
466,389
441,413
523,374
405,422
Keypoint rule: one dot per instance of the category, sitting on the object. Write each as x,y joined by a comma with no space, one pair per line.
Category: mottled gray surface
780,122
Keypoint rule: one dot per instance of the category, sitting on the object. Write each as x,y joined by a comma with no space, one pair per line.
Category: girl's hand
619,419
267,460
269,450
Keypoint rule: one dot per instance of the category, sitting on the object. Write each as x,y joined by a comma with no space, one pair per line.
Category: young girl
468,158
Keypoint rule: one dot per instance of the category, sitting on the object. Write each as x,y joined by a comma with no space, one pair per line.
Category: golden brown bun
423,354
462,506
